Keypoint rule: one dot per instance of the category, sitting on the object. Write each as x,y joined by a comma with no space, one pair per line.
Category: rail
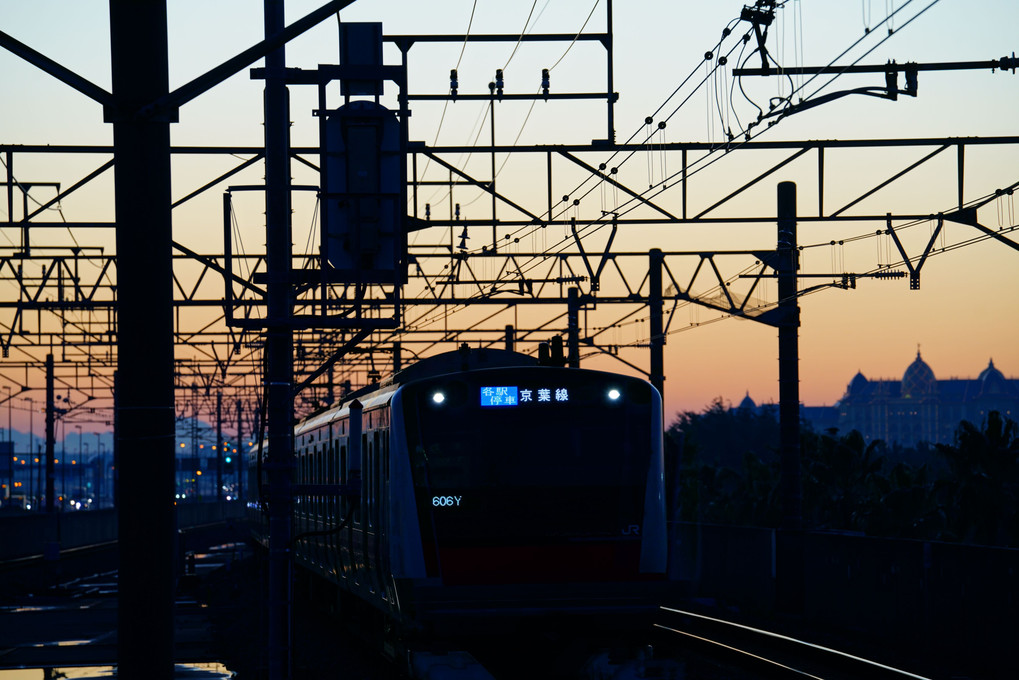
30,535
769,653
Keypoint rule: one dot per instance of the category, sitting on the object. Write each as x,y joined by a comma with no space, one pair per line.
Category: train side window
327,450
370,472
313,478
337,462
343,464
365,504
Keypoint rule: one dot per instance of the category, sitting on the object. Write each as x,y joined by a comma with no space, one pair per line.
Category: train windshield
529,455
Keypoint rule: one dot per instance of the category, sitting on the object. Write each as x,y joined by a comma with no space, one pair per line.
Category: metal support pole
510,337
495,204
51,440
242,455
279,348
31,452
146,518
961,171
573,327
10,187
790,546
116,440
655,321
219,447
609,58
397,357
10,450
788,355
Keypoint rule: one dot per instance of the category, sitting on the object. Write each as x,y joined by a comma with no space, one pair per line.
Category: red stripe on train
563,563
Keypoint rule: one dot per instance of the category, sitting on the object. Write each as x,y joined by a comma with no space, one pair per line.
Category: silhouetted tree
726,454
980,496
908,508
728,472
842,481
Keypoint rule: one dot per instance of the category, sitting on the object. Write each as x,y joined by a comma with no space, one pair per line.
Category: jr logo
632,530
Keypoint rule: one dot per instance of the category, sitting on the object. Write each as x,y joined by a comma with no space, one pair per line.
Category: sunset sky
964,314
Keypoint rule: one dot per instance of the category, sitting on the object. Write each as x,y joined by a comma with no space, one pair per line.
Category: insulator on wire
498,81
454,82
544,82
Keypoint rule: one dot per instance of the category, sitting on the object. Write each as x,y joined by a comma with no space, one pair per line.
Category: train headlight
438,398
614,394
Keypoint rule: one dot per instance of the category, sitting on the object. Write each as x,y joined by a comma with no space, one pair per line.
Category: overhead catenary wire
464,158
799,88
528,27
575,38
712,157
58,208
442,117
523,32
530,110
725,33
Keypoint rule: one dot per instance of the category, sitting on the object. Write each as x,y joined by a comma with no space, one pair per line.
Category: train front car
538,491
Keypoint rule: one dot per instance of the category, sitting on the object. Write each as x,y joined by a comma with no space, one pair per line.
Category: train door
333,513
378,508
364,552
346,504
385,522
370,544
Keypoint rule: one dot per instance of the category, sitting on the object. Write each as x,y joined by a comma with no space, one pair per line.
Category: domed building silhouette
922,408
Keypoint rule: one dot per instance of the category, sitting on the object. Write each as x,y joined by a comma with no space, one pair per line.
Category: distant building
922,408
917,408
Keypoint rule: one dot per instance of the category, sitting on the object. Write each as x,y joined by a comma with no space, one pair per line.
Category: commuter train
495,493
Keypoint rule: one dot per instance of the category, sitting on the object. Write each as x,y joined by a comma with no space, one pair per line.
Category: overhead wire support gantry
891,70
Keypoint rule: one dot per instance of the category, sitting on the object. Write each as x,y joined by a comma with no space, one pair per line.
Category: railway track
749,652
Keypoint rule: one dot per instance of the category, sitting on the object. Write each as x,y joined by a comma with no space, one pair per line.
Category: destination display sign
515,395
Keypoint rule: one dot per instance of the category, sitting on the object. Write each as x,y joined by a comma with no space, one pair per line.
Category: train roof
463,359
